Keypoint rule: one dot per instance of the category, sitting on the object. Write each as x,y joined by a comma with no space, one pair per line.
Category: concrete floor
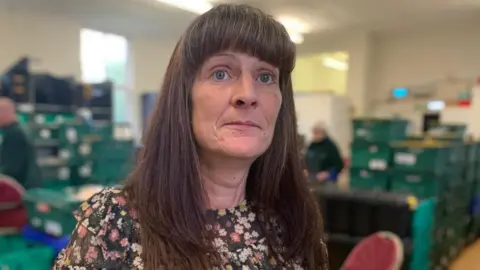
469,259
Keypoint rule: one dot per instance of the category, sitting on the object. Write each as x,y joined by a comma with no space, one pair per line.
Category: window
104,57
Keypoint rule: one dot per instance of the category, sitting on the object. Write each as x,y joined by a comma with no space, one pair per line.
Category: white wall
424,55
54,42
150,58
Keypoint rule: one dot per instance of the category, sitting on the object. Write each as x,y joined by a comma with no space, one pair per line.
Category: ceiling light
195,6
294,24
335,64
296,37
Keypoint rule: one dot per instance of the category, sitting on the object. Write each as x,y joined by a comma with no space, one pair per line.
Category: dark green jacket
323,156
18,157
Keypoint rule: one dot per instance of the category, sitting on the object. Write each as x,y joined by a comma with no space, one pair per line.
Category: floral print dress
106,237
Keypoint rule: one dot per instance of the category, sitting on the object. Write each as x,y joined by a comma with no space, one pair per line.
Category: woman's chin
244,150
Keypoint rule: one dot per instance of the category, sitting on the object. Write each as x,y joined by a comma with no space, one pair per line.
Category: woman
323,159
219,184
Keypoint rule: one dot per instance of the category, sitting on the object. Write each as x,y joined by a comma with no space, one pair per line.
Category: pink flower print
114,234
88,212
133,213
235,237
111,255
217,227
120,200
91,255
82,231
101,232
124,242
259,256
67,252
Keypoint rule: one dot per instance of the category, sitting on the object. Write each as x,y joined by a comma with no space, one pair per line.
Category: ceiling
148,18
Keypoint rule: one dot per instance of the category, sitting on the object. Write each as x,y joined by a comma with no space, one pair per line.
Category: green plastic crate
24,118
44,132
372,156
379,130
54,170
113,150
12,242
50,211
368,180
75,153
420,185
421,156
423,244
109,172
76,133
35,258
53,118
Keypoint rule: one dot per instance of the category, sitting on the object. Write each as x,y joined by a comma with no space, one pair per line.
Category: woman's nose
244,95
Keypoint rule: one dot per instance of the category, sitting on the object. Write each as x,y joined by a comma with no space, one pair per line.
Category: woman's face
236,100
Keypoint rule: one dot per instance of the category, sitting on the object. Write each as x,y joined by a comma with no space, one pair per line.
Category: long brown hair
166,187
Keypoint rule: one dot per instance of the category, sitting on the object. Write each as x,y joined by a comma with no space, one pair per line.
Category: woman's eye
266,78
220,75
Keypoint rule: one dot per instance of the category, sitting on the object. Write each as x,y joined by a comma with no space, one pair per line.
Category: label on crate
361,132
59,119
71,135
85,149
85,170
53,228
25,107
39,119
64,173
405,159
377,164
36,222
64,154
45,134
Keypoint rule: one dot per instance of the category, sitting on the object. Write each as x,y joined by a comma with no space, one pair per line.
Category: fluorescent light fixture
194,6
335,64
296,37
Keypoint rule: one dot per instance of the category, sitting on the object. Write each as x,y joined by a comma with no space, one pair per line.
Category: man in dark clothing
323,159
17,153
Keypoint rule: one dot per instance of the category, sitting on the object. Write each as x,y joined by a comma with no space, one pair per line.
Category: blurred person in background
17,153
219,184
323,159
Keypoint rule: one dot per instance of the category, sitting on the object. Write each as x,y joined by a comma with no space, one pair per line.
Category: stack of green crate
473,176
434,169
372,153
76,149
45,135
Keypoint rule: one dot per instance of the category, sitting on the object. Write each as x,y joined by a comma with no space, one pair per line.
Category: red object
11,193
380,251
13,218
464,103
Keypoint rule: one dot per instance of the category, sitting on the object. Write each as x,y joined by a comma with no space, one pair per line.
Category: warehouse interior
394,84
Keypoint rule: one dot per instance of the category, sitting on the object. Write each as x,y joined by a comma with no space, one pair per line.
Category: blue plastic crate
34,235
475,206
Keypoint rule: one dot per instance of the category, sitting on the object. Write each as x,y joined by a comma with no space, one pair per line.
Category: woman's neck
224,183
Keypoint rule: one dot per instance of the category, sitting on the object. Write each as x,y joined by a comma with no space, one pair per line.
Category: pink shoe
379,251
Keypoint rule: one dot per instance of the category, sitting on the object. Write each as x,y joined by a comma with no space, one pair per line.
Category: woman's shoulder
106,236
106,206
